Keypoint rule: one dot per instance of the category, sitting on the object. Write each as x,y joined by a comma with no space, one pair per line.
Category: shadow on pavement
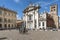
3,38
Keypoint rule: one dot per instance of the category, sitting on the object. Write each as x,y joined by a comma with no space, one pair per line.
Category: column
3,19
45,24
37,21
33,21
26,22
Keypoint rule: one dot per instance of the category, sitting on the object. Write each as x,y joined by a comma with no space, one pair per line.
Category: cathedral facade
35,20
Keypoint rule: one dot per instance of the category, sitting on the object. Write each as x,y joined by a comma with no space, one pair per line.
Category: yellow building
7,18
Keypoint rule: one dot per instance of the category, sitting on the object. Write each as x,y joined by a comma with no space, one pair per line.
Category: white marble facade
42,20
33,19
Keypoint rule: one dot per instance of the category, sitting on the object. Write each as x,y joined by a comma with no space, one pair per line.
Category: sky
20,5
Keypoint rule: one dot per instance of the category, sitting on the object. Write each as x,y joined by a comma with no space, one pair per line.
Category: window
9,25
0,12
35,23
0,19
54,9
0,25
39,23
9,20
43,23
5,25
12,25
5,20
30,17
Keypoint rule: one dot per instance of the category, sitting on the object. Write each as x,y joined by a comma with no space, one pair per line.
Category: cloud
42,3
45,4
17,1
18,17
51,2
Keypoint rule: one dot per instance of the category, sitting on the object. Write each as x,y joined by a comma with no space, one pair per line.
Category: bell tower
54,9
54,14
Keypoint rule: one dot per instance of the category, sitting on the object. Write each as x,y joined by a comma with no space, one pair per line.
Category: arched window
0,25
5,20
5,25
30,17
12,25
8,25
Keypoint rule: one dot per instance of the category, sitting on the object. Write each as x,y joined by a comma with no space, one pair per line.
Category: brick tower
54,14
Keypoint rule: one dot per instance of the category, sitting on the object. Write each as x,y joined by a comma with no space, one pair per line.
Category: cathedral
35,20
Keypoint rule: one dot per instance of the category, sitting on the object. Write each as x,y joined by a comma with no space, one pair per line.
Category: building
19,23
31,16
7,18
59,22
35,20
42,20
54,14
50,21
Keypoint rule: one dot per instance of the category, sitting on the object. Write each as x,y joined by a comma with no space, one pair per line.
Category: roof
27,9
3,8
19,21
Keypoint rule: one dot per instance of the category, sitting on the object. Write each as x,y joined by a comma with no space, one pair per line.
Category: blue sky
20,5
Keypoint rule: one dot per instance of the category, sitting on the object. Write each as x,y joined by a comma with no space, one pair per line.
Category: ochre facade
7,18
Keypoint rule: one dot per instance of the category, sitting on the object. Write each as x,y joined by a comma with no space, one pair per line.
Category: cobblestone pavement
31,35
